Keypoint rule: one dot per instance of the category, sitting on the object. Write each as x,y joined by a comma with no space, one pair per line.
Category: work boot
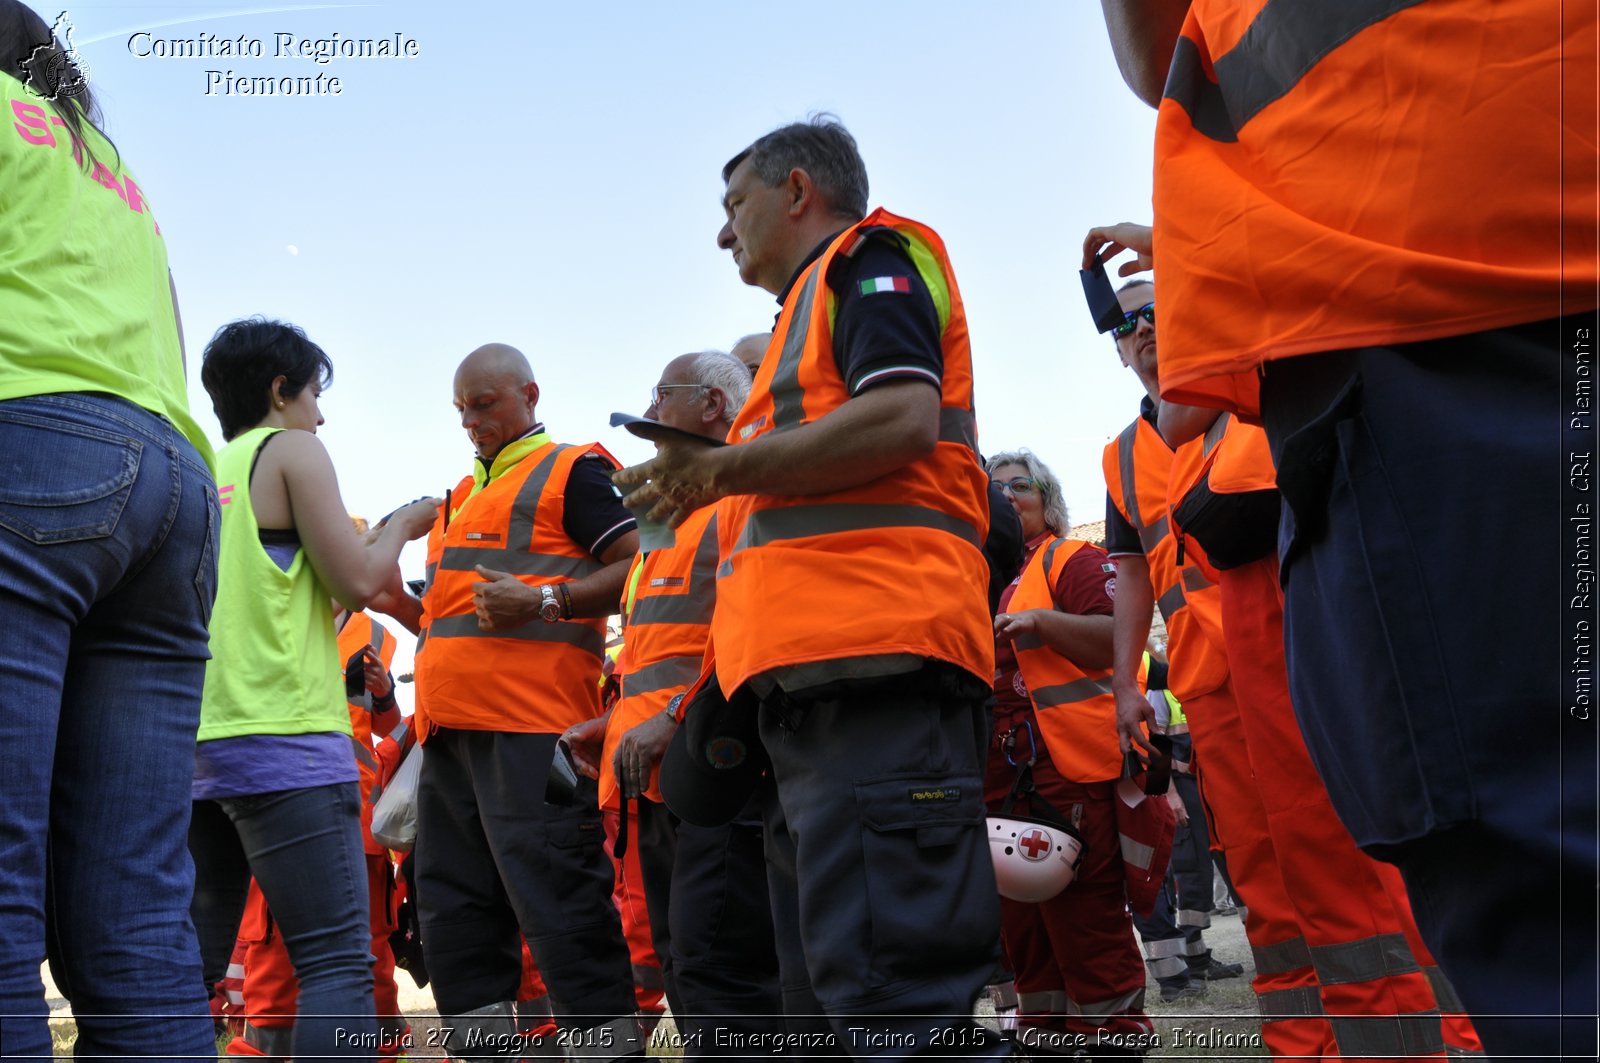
1214,969
1174,990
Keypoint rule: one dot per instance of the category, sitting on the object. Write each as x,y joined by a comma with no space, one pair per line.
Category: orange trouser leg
270,988
380,903
1285,983
1378,1000
649,987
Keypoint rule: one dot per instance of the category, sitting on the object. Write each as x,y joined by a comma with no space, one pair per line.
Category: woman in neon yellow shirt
108,521
275,775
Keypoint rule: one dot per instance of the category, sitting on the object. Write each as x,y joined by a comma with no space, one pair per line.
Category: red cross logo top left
1034,843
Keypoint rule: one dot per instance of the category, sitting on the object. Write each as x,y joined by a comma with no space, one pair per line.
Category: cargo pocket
78,497
927,873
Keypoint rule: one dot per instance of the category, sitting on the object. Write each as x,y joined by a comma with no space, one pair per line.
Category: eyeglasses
655,392
1131,320
1019,485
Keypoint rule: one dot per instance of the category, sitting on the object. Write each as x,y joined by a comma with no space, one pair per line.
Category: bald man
751,349
526,561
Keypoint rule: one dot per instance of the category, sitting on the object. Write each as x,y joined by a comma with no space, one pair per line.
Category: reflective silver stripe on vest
516,562
1363,960
788,397
1281,45
1287,955
1387,1036
427,576
797,522
364,754
1130,496
377,636
958,426
1297,1003
1444,992
694,606
1152,534
466,626
1171,601
1067,693
525,507
661,675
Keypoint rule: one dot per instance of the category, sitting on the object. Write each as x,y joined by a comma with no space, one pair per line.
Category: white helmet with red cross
1034,859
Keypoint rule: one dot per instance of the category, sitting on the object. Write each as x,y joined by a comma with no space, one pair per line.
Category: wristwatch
549,604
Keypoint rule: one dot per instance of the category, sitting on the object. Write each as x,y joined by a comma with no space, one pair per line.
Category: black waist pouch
1233,529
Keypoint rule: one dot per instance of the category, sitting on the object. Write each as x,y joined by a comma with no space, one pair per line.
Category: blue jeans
108,535
304,849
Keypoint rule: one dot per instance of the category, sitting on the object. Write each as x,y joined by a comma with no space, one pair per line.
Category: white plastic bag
394,817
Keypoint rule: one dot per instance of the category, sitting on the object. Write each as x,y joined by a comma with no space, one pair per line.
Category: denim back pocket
61,482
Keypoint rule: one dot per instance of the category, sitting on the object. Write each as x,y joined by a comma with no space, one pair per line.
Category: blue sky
548,175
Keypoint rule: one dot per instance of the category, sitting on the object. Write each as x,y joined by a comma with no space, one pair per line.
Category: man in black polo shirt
851,615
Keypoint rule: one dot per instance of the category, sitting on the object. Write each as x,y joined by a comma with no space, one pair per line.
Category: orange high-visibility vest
536,678
361,630
1138,465
1338,175
891,567
1075,709
665,625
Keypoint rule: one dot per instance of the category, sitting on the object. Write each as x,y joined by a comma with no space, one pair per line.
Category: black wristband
566,601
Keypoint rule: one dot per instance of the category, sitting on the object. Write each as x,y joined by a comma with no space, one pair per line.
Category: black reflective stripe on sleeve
788,397
466,626
958,426
1283,42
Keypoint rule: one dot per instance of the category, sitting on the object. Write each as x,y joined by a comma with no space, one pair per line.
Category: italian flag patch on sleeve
873,285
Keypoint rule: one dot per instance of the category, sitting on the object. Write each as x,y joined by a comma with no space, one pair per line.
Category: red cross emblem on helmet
1034,843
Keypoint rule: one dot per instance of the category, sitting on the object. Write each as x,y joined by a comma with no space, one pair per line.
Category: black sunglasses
1130,320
